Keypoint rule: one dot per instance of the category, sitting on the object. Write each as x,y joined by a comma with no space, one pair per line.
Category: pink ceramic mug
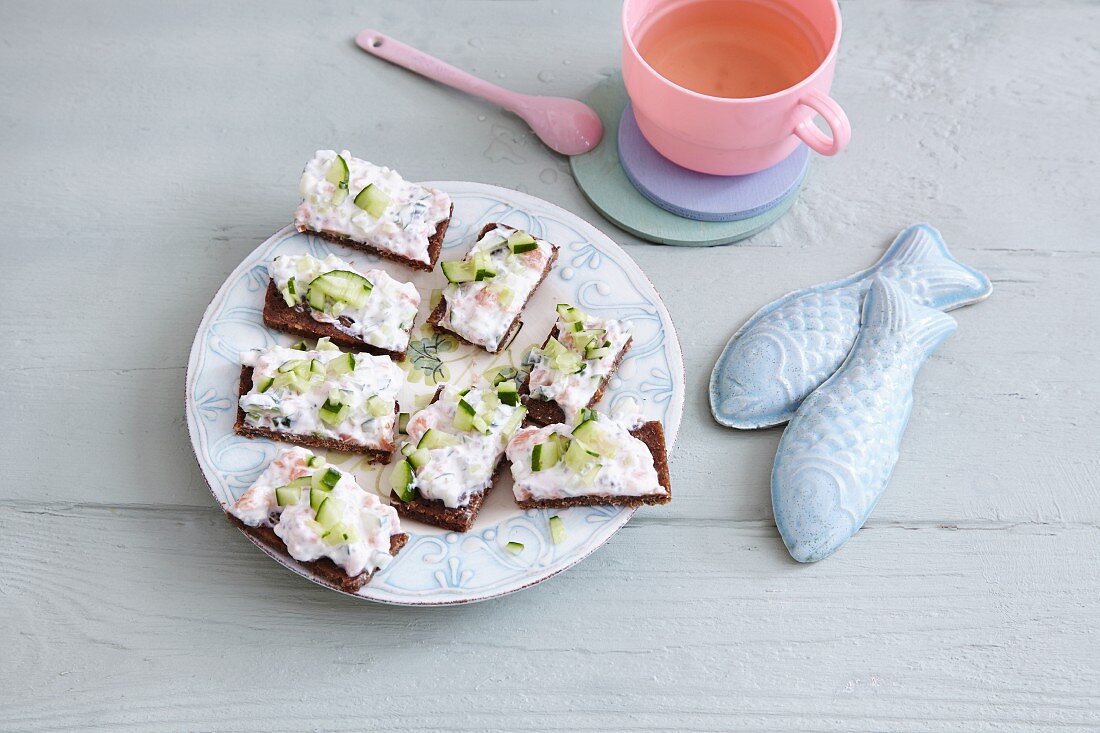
735,136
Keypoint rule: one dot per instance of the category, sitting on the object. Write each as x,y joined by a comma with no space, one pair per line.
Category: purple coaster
702,196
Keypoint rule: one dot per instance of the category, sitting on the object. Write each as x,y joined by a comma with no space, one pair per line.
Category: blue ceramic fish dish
837,453
789,347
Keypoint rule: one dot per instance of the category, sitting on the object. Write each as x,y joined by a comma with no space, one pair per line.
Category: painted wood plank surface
146,148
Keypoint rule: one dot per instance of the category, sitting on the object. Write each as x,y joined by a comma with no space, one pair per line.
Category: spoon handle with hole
384,47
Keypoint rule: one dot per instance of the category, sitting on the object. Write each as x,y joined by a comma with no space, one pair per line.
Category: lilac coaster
702,196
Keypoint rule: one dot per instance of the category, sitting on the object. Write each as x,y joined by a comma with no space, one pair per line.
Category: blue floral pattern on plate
436,566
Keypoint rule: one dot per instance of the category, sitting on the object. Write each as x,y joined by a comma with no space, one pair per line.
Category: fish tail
889,310
940,280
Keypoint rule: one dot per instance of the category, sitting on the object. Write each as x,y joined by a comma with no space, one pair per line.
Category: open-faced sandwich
319,515
488,289
572,368
320,397
372,208
454,450
366,311
600,460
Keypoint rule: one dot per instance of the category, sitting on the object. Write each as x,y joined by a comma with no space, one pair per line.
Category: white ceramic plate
437,566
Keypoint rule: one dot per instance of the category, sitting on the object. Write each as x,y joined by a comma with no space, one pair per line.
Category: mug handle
834,117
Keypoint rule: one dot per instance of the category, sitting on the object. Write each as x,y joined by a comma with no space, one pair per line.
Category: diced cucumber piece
401,481
373,200
545,455
338,287
301,346
315,462
291,381
343,364
597,353
338,176
316,496
508,392
568,363
459,271
587,413
579,458
557,530
314,525
330,477
302,482
407,449
587,431
339,534
464,416
403,423
481,424
287,495
507,296
264,384
514,547
378,407
586,338
433,439
569,314
293,365
333,412
483,267
325,344
338,173
519,242
419,457
330,511
513,423
290,297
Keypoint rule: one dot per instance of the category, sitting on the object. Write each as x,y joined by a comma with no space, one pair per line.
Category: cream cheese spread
385,317
408,221
323,392
455,473
572,388
482,312
353,513
618,464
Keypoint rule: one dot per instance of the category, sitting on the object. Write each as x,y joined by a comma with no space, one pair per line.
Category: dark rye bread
545,412
435,512
325,569
436,316
371,455
298,321
435,245
653,435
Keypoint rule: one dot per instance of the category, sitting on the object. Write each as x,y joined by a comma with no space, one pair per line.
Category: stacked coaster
650,196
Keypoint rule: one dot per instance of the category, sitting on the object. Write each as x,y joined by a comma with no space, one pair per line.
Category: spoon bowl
564,125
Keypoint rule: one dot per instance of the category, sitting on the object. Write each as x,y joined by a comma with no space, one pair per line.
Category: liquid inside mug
731,87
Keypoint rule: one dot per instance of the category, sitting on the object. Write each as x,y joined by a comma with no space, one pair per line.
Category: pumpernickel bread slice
371,454
435,245
653,435
435,318
546,412
298,321
328,571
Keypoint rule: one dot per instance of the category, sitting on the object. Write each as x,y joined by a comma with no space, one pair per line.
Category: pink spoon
565,125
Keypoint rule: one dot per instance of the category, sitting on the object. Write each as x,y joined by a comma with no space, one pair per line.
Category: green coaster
604,183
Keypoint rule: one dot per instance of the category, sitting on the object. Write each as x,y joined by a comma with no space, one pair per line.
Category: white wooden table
147,147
